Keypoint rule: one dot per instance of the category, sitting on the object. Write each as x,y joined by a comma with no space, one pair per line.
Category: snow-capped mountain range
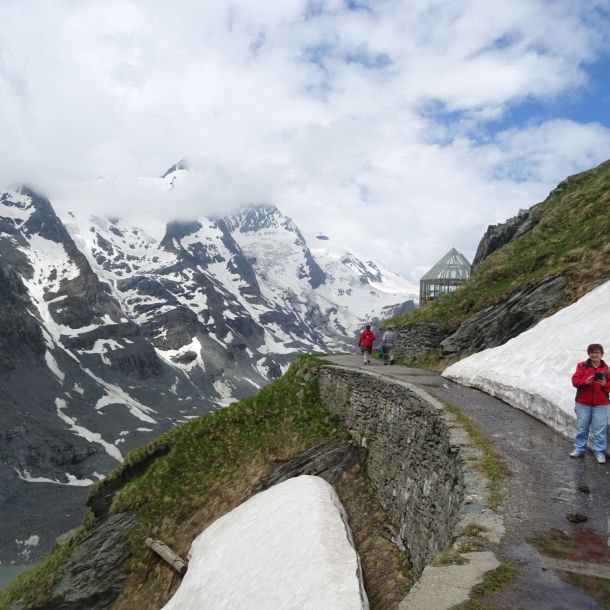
111,337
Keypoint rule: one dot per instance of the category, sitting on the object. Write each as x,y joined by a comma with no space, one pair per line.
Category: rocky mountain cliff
109,337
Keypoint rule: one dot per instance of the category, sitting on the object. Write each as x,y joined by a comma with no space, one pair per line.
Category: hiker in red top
591,383
367,336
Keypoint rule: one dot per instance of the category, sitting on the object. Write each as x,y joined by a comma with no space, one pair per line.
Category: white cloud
321,110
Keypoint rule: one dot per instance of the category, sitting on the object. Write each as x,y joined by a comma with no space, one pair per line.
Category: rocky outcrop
93,575
499,235
328,459
497,324
20,334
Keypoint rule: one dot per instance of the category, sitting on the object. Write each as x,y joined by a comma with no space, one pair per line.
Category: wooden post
167,555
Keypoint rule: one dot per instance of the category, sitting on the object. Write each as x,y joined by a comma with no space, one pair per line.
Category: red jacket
590,394
366,338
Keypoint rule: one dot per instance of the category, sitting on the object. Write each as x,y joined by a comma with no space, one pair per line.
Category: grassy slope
204,468
571,238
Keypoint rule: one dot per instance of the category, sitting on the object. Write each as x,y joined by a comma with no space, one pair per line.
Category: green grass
570,239
497,580
448,557
494,582
490,463
211,448
166,481
473,529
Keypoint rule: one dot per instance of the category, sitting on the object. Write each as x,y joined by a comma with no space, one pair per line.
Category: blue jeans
597,418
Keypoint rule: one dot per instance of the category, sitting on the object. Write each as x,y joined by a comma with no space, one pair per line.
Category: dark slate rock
93,576
497,324
20,334
159,289
180,325
138,360
317,277
499,235
328,459
177,230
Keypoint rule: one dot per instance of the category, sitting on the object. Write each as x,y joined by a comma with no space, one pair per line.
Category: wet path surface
544,486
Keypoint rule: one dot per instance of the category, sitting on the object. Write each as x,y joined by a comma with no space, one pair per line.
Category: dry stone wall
415,340
414,458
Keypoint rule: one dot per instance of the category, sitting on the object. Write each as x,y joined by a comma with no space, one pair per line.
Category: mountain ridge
120,336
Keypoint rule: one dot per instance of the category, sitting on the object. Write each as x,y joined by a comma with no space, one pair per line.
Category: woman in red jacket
367,336
591,383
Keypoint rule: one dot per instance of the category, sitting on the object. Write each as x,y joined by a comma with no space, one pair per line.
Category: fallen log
167,555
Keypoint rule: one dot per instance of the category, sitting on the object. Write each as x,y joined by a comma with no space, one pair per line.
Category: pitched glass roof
453,266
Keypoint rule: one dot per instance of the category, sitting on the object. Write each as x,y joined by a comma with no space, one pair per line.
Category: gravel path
545,485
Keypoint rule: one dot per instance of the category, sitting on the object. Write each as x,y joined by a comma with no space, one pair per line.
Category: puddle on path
587,549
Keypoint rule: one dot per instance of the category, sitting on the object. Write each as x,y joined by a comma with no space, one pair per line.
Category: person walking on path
387,343
367,336
591,383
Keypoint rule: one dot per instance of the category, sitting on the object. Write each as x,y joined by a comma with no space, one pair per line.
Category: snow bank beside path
532,371
287,547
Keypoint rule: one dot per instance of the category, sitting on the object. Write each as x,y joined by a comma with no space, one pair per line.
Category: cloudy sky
398,128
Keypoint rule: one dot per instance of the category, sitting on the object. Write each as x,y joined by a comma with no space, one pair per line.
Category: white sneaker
576,453
601,458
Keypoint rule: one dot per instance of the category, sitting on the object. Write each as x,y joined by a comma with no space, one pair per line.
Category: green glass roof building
451,271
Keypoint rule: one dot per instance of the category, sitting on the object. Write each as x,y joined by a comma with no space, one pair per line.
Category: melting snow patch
117,396
225,391
287,547
194,346
71,480
256,385
25,546
92,437
52,364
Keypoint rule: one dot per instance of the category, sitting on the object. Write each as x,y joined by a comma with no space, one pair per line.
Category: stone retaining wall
415,457
415,340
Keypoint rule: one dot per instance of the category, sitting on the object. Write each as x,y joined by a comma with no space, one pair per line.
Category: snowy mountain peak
261,218
367,270
32,214
15,209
